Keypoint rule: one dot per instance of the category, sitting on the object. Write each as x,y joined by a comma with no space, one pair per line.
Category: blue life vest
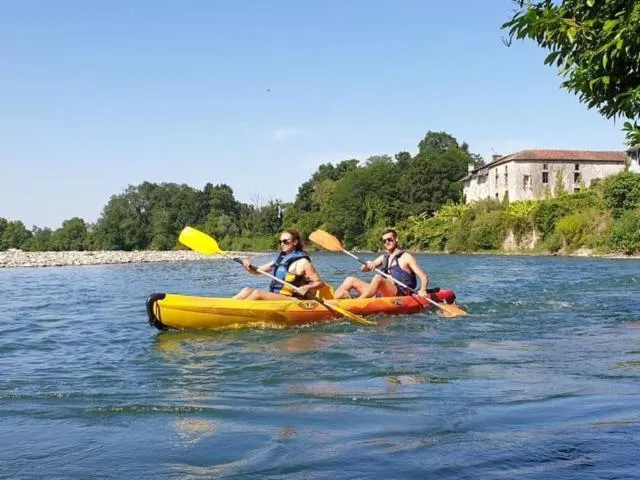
281,270
394,269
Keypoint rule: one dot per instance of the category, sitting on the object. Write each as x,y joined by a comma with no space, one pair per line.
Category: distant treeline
420,195
352,199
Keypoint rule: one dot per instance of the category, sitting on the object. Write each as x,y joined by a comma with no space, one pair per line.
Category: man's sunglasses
388,240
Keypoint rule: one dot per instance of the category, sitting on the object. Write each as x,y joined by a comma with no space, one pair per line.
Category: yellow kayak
173,311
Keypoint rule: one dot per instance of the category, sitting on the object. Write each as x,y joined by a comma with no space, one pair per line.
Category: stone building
535,174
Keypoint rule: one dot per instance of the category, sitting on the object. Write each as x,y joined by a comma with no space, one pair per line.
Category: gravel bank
18,258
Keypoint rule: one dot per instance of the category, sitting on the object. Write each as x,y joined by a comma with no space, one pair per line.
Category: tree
403,159
40,241
438,141
622,192
71,236
14,235
596,45
3,225
433,179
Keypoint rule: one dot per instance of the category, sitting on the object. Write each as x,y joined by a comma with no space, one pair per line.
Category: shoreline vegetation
421,196
20,259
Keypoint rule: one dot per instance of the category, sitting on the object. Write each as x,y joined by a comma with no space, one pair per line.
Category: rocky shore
19,258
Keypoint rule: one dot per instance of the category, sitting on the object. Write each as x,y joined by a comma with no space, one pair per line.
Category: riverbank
17,258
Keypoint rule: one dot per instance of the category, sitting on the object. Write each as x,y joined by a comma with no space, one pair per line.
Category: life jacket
394,269
281,270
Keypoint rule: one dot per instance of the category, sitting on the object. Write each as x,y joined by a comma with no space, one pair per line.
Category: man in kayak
399,264
292,265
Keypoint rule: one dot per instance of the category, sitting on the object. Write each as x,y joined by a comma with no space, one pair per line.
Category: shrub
547,214
576,227
625,234
622,192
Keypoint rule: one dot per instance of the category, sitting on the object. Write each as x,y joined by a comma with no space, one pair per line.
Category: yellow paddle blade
199,241
326,240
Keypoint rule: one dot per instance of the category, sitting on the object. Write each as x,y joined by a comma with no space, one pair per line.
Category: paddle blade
451,310
351,316
199,241
326,240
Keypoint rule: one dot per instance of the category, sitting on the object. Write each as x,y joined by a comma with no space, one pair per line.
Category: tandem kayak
179,312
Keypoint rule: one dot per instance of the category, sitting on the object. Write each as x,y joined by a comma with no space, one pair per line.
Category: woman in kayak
399,264
292,265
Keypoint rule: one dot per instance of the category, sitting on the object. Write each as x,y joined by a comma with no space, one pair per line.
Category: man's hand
423,293
368,266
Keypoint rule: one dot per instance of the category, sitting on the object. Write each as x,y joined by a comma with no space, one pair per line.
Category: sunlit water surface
541,381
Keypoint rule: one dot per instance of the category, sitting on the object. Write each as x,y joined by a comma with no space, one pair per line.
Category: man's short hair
390,230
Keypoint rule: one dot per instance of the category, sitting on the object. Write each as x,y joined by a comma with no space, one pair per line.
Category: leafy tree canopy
595,44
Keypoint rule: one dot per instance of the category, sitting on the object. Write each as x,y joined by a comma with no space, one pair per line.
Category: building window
545,166
576,177
576,189
577,167
545,177
526,182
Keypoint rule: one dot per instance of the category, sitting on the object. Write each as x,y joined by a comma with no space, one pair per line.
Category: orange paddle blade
450,310
326,240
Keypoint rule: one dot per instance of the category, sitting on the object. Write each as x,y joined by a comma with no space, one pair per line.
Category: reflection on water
193,430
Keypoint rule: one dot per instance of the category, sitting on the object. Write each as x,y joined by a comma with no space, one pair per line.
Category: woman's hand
303,290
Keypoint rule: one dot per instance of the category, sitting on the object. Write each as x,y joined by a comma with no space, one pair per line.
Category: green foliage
595,45
476,232
71,236
576,227
433,179
622,192
437,142
520,217
559,189
626,232
14,234
547,212
39,241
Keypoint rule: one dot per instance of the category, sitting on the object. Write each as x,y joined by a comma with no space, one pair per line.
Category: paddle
331,243
204,244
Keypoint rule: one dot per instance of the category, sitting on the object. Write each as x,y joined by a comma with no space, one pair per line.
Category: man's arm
424,278
370,265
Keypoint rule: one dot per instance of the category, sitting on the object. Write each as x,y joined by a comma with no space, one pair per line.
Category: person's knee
255,295
347,282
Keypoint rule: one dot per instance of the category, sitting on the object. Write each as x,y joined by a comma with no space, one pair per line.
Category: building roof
550,155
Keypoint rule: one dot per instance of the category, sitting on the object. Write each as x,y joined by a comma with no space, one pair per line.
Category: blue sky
96,96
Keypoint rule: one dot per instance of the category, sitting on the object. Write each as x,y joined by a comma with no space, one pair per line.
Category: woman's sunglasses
284,241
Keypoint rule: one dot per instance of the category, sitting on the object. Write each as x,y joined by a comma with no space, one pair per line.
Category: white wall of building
634,159
524,180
